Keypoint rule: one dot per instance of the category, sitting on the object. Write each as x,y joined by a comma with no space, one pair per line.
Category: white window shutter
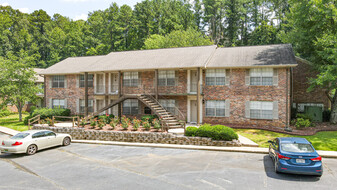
275,77
77,81
65,81
65,103
247,109
50,103
275,110
227,81
227,108
50,82
77,105
247,78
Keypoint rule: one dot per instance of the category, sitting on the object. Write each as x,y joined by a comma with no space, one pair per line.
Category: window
166,78
215,108
58,103
261,110
38,135
215,76
90,81
90,106
130,107
49,134
169,105
262,76
58,81
130,79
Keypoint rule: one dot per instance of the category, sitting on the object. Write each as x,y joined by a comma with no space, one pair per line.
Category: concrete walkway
8,131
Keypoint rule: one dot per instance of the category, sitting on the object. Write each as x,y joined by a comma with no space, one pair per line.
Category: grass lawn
12,121
326,140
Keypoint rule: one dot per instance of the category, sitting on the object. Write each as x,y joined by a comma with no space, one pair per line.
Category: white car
31,141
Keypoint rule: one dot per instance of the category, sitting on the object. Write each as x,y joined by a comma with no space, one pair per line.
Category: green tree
17,79
177,38
314,35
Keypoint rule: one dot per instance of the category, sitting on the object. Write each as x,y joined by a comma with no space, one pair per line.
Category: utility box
315,112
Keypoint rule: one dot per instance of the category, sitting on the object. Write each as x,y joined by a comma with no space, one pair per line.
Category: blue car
295,155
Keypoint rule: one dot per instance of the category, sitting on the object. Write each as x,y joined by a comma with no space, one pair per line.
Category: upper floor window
215,76
261,110
58,103
90,106
169,105
58,81
215,108
90,80
130,79
166,78
261,76
130,107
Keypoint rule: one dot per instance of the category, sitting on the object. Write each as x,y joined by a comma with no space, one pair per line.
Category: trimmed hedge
47,112
4,112
216,132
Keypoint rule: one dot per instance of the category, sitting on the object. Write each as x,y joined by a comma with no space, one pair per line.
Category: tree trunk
19,106
333,116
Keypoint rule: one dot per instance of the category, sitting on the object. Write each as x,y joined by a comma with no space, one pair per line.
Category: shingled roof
176,58
253,56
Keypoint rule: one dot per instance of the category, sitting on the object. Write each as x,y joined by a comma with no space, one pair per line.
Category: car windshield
20,136
296,147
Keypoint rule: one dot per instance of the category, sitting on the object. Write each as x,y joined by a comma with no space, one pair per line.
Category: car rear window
20,136
296,147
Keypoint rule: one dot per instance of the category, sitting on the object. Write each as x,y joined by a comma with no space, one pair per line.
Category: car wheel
275,167
66,141
32,149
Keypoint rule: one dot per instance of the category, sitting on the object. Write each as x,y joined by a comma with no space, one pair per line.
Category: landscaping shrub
25,121
146,125
216,132
156,123
125,122
50,112
300,122
191,131
4,112
32,109
304,116
149,118
106,118
136,123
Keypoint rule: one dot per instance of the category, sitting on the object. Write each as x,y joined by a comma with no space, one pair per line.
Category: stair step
176,126
173,123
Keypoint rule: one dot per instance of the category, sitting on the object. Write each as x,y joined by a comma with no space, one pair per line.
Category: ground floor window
215,108
169,105
58,103
130,107
261,110
90,106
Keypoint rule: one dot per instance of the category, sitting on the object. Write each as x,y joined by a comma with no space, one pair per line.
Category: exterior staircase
169,120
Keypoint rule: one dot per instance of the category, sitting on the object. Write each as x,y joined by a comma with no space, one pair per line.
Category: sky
74,9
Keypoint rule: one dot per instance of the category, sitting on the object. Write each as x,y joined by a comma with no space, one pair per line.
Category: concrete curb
324,154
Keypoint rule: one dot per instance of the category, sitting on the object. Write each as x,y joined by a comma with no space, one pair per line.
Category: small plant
300,122
83,122
156,124
101,123
146,124
125,122
136,123
49,121
114,122
93,123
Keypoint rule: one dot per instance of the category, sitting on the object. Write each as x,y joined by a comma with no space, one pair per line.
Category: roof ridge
254,45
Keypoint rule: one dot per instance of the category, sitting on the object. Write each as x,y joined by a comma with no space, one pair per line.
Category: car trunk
301,159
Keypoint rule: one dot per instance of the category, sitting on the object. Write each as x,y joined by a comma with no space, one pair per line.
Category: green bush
32,109
216,132
304,116
4,112
191,131
300,122
149,118
106,118
50,112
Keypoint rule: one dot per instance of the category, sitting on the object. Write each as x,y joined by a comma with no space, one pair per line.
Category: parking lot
88,166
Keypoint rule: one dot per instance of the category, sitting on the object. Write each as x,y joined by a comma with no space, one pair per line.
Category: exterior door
194,81
193,111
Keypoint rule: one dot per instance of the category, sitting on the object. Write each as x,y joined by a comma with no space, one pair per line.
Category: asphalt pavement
94,166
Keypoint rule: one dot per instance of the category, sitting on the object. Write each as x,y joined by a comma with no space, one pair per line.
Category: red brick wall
300,75
238,93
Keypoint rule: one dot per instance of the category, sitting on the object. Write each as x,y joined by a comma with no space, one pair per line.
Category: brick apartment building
235,85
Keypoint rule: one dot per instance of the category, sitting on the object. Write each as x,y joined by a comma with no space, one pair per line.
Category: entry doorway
194,107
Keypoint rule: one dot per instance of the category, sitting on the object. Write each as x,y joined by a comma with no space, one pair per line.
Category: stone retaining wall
140,137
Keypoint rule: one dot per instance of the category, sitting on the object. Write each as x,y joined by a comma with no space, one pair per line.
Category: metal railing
34,120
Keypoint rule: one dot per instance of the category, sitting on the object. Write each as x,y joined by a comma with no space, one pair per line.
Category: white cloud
81,17
4,4
24,10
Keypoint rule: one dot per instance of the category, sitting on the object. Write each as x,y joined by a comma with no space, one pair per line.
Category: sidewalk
324,154
8,131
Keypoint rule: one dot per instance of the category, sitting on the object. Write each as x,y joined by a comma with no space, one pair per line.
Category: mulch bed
119,128
325,126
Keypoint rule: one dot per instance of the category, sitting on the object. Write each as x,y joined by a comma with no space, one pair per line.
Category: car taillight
3,143
17,143
319,158
280,156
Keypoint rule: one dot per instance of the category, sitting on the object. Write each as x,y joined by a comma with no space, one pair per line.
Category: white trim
109,83
188,81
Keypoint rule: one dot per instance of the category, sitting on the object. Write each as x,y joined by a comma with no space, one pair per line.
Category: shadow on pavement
269,169
5,155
